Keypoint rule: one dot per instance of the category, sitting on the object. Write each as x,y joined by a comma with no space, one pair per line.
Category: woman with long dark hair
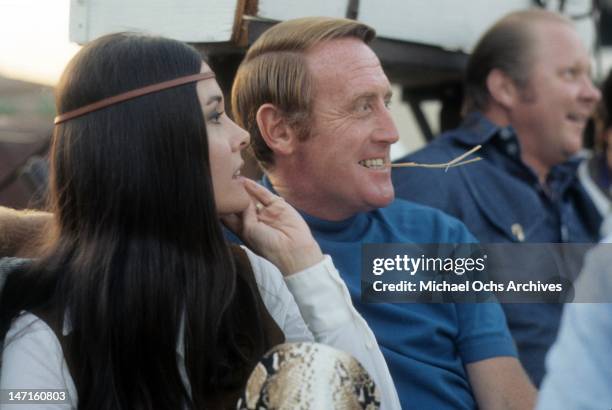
139,302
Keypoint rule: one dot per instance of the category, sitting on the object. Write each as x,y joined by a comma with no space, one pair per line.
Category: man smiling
314,97
529,95
343,161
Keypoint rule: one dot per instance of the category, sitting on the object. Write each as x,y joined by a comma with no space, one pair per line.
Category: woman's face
225,142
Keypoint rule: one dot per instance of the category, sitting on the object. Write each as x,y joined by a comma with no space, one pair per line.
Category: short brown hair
274,71
507,46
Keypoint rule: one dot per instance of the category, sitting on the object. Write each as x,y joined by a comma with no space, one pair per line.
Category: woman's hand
275,230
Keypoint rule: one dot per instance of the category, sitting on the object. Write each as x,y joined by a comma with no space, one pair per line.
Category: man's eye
365,107
388,104
570,73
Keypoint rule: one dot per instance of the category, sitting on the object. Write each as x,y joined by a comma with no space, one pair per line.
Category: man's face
553,109
351,132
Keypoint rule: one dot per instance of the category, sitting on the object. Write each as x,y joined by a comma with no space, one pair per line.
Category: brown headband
132,94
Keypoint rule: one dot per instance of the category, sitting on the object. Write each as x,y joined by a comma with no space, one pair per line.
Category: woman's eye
215,117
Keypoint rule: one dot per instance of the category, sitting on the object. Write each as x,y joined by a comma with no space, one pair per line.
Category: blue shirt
500,199
426,346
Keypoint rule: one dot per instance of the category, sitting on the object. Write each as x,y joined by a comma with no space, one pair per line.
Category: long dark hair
139,247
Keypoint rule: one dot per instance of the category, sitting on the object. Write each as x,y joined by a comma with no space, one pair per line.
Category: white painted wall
290,9
451,24
185,20
410,136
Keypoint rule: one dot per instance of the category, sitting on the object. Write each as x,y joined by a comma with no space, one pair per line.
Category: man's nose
590,92
386,131
241,139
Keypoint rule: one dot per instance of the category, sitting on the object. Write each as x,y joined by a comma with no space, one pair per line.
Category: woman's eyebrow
214,99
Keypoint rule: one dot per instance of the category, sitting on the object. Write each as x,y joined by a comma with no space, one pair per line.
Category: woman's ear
502,88
278,135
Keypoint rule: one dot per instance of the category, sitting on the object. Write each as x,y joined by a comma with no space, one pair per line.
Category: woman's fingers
277,231
269,208
260,193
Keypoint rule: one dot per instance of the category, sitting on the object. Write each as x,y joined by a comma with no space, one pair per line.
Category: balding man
529,96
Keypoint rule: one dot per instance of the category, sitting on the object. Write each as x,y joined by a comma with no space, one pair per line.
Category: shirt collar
478,129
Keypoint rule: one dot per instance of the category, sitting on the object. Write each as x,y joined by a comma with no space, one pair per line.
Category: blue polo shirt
426,346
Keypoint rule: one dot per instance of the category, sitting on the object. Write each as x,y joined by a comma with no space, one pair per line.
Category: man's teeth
373,163
236,174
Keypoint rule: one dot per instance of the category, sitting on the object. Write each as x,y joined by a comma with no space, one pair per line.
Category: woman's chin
237,204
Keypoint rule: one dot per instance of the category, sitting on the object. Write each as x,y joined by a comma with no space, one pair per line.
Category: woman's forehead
209,88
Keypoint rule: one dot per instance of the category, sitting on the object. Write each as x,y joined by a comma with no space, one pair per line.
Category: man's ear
277,134
502,88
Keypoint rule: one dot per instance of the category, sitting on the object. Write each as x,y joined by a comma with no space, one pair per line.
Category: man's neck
541,170
305,198
500,118
497,116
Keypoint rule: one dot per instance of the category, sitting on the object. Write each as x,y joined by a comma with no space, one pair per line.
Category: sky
34,44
